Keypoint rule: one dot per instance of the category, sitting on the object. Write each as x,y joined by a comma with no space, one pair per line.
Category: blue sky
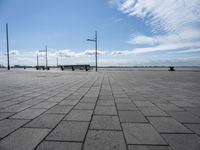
130,32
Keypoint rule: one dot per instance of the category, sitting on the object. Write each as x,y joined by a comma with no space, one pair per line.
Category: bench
73,67
42,68
171,68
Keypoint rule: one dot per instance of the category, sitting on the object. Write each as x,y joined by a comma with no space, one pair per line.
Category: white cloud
165,15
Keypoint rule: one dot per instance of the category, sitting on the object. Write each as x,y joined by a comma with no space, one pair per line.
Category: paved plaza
108,110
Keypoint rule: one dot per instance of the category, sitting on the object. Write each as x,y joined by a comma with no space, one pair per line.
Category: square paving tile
141,147
15,108
143,104
69,102
122,100
169,107
141,133
105,122
105,110
185,117
9,125
59,109
167,125
183,141
131,116
89,100
106,103
85,106
79,115
195,111
45,121
104,140
152,111
53,145
29,113
5,115
194,127
46,105
23,139
126,106
69,131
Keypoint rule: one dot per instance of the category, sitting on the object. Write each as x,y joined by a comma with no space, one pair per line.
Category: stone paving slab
23,139
141,133
28,113
79,115
104,140
9,125
53,145
167,125
131,116
69,131
45,121
183,141
105,122
135,110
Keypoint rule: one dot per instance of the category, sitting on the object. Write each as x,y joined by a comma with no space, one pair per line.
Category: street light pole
8,58
95,40
37,60
46,57
96,48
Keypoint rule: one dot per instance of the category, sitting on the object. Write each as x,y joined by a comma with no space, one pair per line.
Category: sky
130,32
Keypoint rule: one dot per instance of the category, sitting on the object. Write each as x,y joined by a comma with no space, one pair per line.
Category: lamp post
46,55
95,40
8,58
37,60
57,61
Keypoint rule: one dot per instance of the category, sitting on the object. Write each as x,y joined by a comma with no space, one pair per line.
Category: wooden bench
73,67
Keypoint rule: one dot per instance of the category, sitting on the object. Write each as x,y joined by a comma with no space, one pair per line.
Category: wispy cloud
165,15
178,21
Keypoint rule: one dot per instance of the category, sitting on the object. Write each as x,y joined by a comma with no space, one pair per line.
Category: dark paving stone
69,102
126,106
105,122
46,105
131,116
183,141
85,106
169,107
141,147
9,125
105,110
79,115
106,103
104,140
141,133
167,125
143,104
194,127
89,100
59,109
152,111
185,117
45,121
122,100
183,104
5,115
23,139
195,111
15,108
69,131
53,145
29,113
